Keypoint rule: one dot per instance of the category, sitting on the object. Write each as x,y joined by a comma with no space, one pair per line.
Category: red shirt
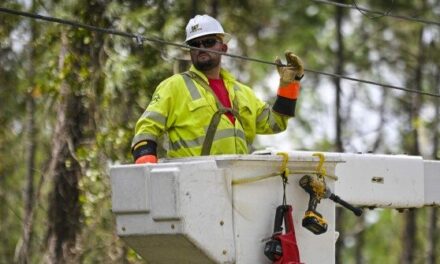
219,88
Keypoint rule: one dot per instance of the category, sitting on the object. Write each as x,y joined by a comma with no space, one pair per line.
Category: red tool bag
282,248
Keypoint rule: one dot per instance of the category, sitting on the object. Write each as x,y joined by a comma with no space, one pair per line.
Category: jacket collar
225,74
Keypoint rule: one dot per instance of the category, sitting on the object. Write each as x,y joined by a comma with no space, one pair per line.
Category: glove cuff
143,148
284,106
290,91
286,99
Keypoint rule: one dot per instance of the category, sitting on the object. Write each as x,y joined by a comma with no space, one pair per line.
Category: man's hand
293,71
289,88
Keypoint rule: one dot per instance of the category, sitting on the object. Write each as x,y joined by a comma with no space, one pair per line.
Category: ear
224,47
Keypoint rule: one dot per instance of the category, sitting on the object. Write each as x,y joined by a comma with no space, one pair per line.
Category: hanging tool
313,220
316,187
283,248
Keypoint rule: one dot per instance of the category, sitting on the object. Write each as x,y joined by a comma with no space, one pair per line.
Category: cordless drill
315,186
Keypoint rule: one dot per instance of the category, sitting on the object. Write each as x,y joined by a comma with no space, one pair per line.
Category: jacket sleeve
265,120
154,121
268,121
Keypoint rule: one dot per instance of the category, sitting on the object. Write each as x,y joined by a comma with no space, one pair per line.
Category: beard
206,65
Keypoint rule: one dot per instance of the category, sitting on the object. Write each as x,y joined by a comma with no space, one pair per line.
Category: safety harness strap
210,133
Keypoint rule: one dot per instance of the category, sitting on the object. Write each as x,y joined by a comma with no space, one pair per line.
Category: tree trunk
75,126
339,70
409,235
214,8
360,241
338,144
193,11
433,226
409,232
28,197
24,250
435,140
65,171
432,236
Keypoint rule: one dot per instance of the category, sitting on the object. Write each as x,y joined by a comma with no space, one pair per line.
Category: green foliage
117,85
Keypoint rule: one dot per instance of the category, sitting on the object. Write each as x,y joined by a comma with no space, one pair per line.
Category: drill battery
314,222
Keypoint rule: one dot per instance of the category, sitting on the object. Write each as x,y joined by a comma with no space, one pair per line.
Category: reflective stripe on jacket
183,108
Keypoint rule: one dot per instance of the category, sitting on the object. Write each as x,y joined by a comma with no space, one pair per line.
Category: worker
206,111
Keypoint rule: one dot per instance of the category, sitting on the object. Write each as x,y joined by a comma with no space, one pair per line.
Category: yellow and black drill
315,186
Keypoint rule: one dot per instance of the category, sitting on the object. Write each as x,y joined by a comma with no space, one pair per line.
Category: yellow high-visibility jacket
183,108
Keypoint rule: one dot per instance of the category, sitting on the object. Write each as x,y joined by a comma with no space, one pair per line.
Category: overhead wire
140,39
384,14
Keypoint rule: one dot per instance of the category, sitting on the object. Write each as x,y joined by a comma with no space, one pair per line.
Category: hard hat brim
226,36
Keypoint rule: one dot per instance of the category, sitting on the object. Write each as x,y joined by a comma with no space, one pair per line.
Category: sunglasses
207,43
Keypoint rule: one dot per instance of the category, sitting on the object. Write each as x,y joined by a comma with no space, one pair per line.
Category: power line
377,16
384,14
140,39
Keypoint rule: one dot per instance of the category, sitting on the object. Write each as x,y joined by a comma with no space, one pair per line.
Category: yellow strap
253,179
284,170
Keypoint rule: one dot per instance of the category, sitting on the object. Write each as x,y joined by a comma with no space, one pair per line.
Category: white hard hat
202,25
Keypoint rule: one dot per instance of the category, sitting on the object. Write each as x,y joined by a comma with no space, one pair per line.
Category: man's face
205,61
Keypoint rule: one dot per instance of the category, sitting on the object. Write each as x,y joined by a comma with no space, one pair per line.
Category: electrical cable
140,39
385,14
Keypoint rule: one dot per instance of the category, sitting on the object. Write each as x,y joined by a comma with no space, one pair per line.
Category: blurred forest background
69,99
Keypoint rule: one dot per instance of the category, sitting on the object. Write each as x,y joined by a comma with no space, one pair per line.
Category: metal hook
139,40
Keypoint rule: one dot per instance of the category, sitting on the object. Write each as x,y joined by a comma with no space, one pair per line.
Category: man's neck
213,73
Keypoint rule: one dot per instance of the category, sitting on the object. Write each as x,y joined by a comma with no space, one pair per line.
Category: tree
12,106
80,70
29,193
339,121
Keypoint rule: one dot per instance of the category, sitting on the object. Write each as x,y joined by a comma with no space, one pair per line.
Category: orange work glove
289,88
146,159
293,71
